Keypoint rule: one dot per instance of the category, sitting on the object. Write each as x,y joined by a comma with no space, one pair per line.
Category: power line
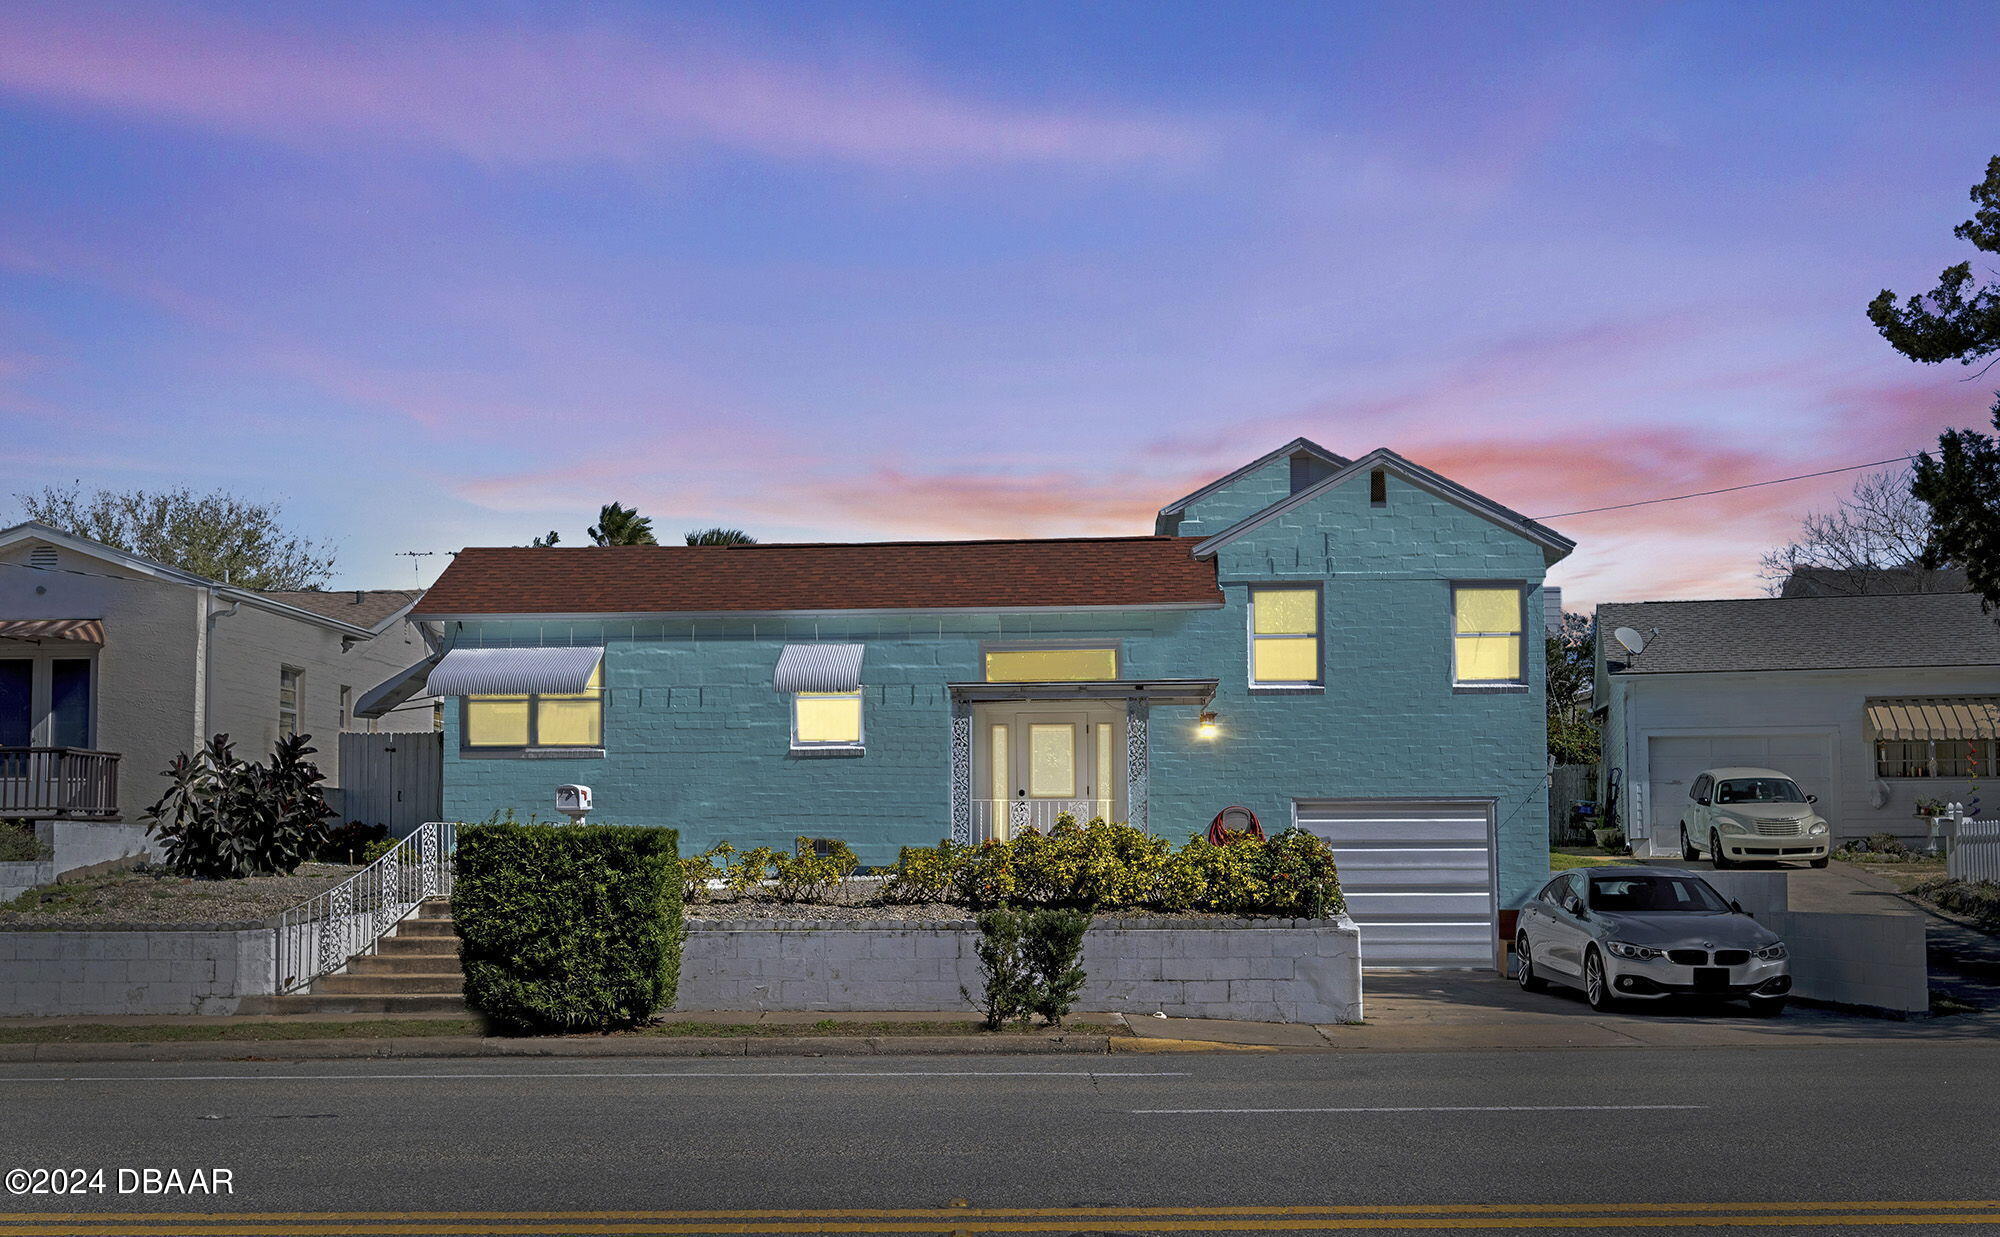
1804,476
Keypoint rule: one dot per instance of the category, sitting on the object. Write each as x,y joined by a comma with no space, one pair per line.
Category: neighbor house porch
49,768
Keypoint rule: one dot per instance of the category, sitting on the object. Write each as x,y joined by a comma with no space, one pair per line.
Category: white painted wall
1826,706
150,705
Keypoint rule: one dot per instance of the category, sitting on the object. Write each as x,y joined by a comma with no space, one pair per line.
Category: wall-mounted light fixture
1208,728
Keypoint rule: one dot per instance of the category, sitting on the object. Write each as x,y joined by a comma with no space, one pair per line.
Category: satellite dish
1634,643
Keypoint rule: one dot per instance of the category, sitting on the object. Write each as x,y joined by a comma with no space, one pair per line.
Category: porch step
435,962
309,1004
417,947
351,984
420,925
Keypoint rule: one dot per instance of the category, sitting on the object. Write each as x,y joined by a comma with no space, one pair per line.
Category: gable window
1284,637
1489,624
288,701
1378,488
542,719
826,719
1051,665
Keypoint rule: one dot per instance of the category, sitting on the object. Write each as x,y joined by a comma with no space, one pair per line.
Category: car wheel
1688,853
1524,963
1596,986
1721,861
1767,1006
1818,863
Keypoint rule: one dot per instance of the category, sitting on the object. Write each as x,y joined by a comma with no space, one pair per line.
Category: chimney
357,596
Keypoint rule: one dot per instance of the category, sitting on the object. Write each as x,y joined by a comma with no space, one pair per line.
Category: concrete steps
414,971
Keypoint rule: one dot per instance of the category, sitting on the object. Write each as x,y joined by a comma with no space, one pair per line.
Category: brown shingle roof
363,607
889,575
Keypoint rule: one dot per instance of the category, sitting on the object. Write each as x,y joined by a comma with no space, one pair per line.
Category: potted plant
1930,809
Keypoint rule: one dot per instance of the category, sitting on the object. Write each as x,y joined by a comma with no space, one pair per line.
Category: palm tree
720,536
618,525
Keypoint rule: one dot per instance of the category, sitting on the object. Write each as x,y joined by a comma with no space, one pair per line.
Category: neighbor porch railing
58,783
999,819
319,935
1973,852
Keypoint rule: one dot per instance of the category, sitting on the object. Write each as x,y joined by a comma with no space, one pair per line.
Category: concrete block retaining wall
1875,961
1264,970
19,877
138,971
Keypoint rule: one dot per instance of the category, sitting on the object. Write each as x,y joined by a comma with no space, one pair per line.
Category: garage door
1418,878
1674,761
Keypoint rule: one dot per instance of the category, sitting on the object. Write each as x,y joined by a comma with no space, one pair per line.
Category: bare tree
1872,542
215,535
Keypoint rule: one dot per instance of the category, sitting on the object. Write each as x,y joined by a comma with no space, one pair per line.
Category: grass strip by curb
413,1028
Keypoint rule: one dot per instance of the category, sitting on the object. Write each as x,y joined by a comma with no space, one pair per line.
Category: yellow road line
955,1213
1397,1224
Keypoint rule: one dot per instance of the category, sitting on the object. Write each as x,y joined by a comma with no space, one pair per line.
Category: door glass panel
69,702
1051,761
997,757
1103,789
17,677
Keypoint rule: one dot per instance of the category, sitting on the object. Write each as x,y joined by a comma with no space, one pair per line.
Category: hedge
1113,866
568,928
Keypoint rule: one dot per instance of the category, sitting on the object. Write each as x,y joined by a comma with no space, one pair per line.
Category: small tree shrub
1029,962
813,870
566,928
698,870
18,843
222,817
750,870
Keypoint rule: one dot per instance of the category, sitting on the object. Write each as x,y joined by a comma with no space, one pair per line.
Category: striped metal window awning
514,672
83,631
819,668
1935,717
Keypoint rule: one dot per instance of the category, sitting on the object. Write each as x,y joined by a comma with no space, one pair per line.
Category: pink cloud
537,96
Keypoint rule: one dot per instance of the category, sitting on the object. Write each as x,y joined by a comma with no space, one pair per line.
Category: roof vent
43,556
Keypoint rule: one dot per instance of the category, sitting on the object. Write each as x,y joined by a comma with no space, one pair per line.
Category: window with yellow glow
553,719
1488,627
1284,636
1051,665
826,719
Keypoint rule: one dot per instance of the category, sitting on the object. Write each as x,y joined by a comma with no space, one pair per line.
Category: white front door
1033,763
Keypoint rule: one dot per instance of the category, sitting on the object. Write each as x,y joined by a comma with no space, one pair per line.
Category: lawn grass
411,1028
1583,857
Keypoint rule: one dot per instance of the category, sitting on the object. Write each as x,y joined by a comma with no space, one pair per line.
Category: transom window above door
1067,665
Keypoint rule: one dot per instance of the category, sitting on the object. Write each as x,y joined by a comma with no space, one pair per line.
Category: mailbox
573,802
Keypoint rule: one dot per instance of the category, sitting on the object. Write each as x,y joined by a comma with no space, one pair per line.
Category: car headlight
1819,828
1625,949
1773,952
1734,824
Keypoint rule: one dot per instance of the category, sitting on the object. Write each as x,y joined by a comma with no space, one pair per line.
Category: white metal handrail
319,935
1000,819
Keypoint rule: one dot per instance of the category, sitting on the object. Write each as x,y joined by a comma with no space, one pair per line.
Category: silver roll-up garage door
1418,876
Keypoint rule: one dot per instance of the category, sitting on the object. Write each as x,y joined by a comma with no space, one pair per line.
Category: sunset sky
437,275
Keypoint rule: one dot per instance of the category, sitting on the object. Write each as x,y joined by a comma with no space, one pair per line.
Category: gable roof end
1294,447
1555,546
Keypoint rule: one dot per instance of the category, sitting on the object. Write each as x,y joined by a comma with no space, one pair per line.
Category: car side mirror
1703,802
1738,908
1812,798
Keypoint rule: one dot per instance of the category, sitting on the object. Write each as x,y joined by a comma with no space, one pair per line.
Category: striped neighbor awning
514,672
83,631
1936,717
818,668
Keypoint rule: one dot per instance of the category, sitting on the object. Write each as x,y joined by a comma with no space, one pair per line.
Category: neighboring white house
111,664
1869,702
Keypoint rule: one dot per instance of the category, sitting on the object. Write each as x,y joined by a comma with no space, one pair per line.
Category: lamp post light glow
1208,728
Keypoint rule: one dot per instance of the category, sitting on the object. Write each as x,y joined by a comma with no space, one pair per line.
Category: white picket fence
1975,851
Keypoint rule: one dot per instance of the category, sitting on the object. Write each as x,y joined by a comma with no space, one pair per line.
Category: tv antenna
416,568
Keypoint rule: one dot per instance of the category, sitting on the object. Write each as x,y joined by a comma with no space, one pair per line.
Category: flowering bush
813,869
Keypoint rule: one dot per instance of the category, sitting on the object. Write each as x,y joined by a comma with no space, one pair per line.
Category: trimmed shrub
922,874
566,928
1007,985
698,870
1029,961
813,870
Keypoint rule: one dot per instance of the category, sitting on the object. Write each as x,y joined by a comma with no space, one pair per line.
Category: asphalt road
1910,1123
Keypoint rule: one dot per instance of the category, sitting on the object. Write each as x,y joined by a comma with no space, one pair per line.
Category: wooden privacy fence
395,780
1975,851
1570,785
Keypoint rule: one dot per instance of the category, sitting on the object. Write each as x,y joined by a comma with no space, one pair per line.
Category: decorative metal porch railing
997,820
319,935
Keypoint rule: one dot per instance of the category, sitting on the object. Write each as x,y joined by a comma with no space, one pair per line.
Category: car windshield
1759,790
1653,893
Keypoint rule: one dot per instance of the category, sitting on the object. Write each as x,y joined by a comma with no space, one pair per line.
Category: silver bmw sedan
1648,933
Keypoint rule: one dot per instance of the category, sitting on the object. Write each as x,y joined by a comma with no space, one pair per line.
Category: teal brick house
1354,646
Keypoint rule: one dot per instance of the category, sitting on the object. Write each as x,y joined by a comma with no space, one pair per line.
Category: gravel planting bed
152,897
